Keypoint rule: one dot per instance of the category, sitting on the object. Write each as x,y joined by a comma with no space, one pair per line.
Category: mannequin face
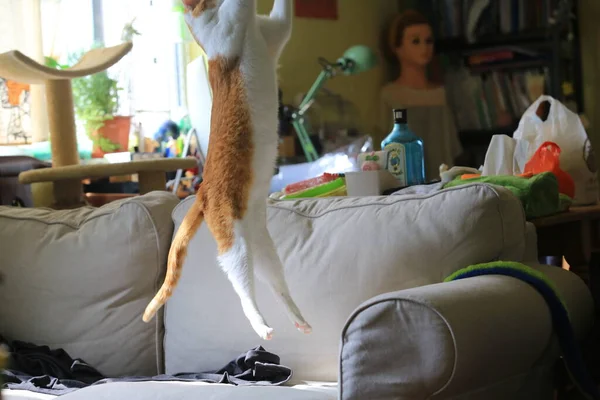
417,45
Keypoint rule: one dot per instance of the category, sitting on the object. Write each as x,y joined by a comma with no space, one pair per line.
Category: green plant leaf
53,63
105,144
96,100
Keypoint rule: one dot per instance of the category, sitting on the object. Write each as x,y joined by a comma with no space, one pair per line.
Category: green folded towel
539,194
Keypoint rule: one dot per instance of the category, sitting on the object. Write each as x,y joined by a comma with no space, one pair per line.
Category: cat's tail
190,224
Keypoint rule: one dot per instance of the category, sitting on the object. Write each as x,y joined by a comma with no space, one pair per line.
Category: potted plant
96,100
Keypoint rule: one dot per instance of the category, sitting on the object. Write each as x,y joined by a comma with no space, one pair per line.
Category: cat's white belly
263,165
258,70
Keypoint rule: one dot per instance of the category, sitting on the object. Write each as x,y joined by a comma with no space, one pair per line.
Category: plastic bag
562,126
505,156
341,160
547,159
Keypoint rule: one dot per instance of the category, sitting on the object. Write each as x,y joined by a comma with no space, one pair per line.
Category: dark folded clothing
40,369
41,360
40,384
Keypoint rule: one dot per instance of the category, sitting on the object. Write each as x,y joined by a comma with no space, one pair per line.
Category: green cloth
538,194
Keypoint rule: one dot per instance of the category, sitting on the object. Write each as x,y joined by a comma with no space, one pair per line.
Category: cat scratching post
66,172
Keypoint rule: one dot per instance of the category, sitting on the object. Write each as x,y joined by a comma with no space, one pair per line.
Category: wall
360,22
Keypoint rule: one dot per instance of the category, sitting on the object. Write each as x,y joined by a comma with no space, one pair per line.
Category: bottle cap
400,116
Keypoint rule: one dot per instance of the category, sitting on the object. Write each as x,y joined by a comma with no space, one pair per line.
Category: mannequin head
411,39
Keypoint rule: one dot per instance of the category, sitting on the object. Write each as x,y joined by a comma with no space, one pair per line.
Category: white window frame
173,72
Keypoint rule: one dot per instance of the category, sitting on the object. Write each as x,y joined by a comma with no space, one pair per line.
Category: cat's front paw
303,327
265,332
198,7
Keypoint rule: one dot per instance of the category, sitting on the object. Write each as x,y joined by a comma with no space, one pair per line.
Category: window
151,74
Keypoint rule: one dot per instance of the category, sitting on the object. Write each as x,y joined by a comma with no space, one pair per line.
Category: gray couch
366,273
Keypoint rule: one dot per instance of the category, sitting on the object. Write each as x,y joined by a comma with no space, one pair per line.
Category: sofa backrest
338,253
80,280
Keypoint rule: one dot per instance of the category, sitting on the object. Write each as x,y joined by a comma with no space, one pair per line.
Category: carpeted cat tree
66,172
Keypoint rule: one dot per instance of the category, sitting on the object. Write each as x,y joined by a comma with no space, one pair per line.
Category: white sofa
366,273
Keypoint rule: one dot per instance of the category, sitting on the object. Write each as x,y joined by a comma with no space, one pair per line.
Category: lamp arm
307,145
298,120
355,60
323,76
297,117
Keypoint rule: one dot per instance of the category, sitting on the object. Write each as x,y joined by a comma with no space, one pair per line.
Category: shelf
521,39
103,170
509,65
483,137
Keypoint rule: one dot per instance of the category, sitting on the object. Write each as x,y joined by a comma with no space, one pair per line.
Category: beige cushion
201,391
338,253
80,280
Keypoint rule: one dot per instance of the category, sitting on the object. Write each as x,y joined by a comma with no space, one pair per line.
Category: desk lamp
355,60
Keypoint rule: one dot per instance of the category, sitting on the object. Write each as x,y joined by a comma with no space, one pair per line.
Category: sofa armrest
445,339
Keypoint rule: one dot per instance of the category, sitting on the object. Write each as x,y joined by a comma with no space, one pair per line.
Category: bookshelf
518,50
531,37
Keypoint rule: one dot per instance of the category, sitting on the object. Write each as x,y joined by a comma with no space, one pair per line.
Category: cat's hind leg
270,270
235,259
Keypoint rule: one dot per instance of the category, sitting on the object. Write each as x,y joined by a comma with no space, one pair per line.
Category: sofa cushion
338,253
25,395
80,280
201,391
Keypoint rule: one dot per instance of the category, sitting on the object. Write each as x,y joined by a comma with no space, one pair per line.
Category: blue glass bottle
405,157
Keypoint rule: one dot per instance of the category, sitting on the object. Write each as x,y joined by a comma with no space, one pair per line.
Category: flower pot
117,131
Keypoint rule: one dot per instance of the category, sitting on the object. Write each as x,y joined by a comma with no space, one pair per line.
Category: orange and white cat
243,49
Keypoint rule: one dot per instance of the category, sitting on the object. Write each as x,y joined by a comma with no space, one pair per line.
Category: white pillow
80,280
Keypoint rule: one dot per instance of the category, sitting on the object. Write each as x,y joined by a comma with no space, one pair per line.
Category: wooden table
574,235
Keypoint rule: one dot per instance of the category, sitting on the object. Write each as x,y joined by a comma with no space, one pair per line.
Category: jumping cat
243,49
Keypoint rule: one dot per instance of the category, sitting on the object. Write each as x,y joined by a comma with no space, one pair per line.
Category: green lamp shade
358,59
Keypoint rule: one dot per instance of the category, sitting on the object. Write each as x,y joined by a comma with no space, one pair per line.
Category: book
495,99
499,17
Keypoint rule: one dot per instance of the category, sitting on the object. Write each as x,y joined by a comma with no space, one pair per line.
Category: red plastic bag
547,159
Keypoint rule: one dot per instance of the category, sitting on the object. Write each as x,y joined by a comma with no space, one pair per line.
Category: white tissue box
370,183
381,158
